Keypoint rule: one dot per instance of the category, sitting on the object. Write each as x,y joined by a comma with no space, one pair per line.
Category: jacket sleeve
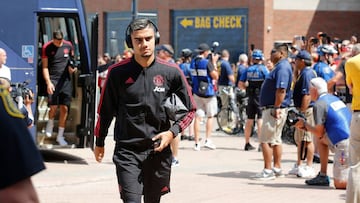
183,91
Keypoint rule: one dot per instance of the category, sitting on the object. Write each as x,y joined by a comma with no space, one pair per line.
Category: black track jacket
135,97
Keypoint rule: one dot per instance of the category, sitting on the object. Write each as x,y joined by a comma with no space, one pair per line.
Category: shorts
271,128
206,106
142,172
355,139
253,108
341,160
62,95
301,135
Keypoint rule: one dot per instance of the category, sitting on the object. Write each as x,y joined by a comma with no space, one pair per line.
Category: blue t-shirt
240,71
331,112
226,70
280,77
323,70
302,85
255,75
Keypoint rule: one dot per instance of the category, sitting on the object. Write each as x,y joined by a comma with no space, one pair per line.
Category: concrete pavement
206,176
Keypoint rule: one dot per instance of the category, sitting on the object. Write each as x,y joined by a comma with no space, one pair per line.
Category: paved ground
207,176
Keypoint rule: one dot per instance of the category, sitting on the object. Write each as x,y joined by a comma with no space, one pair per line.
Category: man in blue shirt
255,76
326,58
302,101
275,97
226,83
332,126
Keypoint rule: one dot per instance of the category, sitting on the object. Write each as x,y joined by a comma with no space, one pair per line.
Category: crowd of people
317,80
309,76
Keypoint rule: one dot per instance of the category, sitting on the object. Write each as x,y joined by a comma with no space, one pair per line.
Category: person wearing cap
352,69
326,58
332,126
254,76
303,103
203,73
19,156
166,52
275,98
57,68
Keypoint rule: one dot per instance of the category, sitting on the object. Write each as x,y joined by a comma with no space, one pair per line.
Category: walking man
134,93
57,68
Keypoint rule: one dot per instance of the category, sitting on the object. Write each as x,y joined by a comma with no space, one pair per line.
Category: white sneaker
263,175
278,172
61,141
209,144
49,128
197,147
306,172
294,170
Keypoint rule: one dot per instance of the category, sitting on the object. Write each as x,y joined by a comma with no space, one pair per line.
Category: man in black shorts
57,68
135,91
18,154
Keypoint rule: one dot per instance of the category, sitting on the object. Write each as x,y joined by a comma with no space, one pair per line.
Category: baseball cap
202,47
167,48
303,55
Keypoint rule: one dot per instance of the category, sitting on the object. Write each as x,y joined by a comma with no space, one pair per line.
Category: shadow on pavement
61,157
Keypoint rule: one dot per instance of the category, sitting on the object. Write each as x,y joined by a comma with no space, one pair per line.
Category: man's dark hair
283,48
57,34
307,62
140,24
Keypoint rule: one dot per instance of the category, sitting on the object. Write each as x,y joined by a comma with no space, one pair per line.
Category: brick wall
284,23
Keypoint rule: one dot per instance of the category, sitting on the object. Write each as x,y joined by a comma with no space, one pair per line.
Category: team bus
25,27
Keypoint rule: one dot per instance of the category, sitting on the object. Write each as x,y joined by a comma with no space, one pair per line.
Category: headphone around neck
144,21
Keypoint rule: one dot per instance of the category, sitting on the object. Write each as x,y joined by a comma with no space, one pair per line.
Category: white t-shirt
5,72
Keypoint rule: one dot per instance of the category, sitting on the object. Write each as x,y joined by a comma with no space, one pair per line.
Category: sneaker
263,175
191,138
209,144
175,162
61,141
248,147
278,172
49,129
306,172
227,129
319,180
316,159
197,147
184,137
294,170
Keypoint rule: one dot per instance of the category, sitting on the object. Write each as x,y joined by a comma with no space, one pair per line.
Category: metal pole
134,9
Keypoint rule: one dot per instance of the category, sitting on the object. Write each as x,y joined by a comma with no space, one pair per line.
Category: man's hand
300,124
165,139
50,88
72,70
99,153
29,99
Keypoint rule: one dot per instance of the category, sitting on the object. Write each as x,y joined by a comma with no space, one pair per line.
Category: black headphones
128,34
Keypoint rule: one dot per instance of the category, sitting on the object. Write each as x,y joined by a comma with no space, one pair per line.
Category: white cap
320,85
